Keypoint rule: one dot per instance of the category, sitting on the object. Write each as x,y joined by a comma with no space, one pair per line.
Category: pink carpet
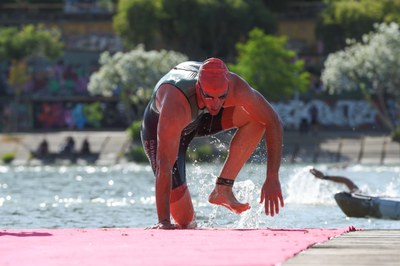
156,247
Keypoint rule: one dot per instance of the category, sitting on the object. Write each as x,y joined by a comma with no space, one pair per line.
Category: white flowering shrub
371,66
133,75
135,72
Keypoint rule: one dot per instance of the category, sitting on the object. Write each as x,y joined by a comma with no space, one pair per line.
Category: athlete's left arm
260,110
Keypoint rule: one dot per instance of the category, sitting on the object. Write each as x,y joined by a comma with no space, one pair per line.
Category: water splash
247,191
303,188
85,198
4,169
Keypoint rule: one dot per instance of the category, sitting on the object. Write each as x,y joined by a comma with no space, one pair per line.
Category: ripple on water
124,196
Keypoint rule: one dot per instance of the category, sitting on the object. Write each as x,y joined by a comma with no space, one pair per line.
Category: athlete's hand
165,225
271,194
317,174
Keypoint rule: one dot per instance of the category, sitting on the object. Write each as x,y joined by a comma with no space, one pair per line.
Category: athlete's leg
182,208
148,134
242,146
222,195
243,143
181,203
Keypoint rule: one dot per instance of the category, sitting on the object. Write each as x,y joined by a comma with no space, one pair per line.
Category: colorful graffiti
342,113
97,115
79,116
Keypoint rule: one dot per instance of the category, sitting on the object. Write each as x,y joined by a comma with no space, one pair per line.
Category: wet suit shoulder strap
184,77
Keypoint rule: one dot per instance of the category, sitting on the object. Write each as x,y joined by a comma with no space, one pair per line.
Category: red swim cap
213,76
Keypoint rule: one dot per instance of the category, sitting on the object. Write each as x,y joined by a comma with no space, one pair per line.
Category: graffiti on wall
343,113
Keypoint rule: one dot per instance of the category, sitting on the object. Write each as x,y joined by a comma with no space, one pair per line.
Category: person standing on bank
199,99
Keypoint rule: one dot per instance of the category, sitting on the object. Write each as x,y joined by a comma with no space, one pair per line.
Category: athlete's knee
178,192
181,206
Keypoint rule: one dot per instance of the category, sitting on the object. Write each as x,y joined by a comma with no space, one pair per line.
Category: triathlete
198,99
353,188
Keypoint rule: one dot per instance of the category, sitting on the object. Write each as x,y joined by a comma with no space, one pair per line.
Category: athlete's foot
223,195
191,225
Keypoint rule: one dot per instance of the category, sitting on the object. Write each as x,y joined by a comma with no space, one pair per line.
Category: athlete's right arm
338,179
175,115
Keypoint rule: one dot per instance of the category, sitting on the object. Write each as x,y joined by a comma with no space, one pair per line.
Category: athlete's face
213,100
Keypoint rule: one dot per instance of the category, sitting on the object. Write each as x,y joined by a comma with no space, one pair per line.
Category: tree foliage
199,28
137,21
371,66
20,43
270,68
342,19
135,73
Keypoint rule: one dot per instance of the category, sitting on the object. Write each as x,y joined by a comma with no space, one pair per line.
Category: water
123,196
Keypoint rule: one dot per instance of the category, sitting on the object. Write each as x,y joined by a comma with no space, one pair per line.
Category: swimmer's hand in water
317,174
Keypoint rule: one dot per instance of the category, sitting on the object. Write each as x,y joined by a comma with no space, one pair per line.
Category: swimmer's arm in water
338,179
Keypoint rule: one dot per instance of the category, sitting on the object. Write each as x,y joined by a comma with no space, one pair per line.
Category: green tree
28,41
343,19
19,44
138,21
270,68
199,28
371,67
211,28
135,73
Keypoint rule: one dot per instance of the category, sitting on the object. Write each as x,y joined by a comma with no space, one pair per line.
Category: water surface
123,196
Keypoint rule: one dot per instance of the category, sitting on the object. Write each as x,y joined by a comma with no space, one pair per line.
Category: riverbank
324,146
108,145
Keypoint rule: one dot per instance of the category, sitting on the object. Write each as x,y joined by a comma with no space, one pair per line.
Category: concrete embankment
341,147
109,145
321,147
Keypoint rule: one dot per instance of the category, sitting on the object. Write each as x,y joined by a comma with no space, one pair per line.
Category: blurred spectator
43,148
68,147
85,149
304,125
314,118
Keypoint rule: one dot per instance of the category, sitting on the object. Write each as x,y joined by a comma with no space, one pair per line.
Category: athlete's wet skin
199,99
